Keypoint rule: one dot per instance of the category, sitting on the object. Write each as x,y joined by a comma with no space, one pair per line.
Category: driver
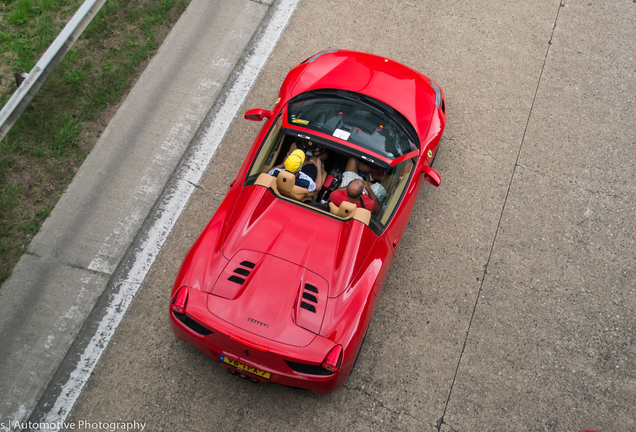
313,152
307,176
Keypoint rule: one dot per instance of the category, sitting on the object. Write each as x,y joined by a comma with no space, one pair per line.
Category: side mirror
431,176
257,114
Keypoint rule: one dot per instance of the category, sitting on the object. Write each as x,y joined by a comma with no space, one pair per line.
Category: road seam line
440,422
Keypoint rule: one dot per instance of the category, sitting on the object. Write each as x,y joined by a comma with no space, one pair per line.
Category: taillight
249,344
333,361
179,300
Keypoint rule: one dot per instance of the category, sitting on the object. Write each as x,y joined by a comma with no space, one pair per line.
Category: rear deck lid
270,297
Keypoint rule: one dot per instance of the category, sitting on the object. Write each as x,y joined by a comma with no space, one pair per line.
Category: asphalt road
510,305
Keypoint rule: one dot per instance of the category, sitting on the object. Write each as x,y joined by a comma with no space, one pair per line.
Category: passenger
358,192
352,172
307,176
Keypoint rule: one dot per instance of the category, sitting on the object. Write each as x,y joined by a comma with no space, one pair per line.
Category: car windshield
354,118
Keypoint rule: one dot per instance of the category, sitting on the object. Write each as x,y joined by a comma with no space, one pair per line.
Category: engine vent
243,272
236,279
310,298
308,307
311,302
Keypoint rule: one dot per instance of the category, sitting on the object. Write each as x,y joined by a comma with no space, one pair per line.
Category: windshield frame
375,107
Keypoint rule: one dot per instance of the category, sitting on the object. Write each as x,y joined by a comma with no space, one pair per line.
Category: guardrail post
47,64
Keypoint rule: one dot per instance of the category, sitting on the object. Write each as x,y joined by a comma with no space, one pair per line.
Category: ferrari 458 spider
282,283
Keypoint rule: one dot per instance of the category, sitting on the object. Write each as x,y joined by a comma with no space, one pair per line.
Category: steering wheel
311,146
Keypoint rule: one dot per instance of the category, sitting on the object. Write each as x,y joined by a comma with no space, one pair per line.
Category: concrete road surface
510,305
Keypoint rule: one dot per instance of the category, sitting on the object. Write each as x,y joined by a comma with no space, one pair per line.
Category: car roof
386,80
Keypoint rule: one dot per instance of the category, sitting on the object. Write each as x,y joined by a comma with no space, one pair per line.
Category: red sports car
282,283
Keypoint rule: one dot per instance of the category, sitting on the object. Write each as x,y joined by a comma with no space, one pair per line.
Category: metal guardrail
47,64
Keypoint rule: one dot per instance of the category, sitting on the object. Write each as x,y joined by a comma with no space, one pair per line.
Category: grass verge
46,146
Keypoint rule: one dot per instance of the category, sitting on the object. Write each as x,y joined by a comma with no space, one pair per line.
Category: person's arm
318,165
305,181
274,171
337,197
367,187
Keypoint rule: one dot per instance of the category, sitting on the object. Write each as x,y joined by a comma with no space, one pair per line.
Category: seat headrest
285,182
346,209
266,180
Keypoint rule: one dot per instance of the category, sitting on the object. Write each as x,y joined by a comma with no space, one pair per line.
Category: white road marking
171,208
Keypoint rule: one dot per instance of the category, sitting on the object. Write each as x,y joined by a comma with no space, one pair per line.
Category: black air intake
241,271
307,306
192,324
307,368
310,298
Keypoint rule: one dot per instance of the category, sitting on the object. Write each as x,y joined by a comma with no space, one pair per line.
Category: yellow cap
295,161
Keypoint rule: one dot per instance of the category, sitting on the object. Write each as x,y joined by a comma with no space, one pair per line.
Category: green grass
45,147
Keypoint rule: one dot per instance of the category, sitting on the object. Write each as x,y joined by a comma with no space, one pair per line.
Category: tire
360,349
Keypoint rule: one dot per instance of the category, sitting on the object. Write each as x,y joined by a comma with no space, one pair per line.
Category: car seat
286,185
348,210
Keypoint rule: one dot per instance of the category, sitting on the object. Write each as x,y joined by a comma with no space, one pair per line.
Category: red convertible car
281,284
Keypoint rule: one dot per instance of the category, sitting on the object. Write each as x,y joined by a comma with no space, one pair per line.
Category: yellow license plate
245,367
